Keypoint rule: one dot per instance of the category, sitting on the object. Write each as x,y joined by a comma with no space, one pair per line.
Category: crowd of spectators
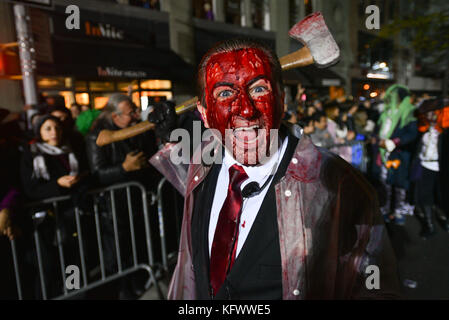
400,145
50,151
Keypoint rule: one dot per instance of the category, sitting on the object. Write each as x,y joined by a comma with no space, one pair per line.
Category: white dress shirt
429,150
250,206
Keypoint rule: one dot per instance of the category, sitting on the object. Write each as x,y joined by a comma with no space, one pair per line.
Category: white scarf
39,165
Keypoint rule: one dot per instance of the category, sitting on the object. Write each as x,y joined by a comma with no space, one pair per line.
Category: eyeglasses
130,114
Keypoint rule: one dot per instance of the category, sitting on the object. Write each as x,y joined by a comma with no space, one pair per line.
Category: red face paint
241,95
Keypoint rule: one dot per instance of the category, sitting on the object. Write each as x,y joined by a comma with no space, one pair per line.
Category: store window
101,86
135,96
260,14
148,4
375,56
68,96
164,95
126,86
96,93
233,12
82,99
100,101
155,84
52,82
203,9
372,49
80,85
149,98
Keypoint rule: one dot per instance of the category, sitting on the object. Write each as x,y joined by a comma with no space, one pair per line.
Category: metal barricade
167,257
149,264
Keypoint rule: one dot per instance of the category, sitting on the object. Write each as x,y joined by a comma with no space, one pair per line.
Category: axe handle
109,136
299,58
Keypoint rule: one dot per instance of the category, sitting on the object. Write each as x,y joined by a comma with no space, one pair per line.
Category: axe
319,48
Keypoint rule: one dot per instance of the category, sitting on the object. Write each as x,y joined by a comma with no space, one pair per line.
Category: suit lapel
200,230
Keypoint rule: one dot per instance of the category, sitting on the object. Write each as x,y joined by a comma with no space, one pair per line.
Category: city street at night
243,150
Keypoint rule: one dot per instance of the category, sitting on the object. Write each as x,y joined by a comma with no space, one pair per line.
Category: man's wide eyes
259,89
225,94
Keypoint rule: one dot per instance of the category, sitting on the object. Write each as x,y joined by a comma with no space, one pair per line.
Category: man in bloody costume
299,223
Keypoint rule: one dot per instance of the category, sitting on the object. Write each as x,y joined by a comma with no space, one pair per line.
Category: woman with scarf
394,145
49,168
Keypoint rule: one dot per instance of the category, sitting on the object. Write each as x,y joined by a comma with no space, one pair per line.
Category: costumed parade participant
394,148
429,170
302,224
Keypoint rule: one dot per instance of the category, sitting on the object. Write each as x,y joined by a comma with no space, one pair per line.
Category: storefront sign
108,28
114,72
103,31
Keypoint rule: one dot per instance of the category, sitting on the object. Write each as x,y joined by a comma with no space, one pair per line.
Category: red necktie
226,233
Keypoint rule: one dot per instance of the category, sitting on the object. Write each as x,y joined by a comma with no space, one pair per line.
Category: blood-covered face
241,99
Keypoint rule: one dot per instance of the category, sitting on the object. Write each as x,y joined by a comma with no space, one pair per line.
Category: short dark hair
303,122
235,45
318,115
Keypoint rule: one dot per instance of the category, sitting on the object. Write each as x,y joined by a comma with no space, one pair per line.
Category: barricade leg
16,269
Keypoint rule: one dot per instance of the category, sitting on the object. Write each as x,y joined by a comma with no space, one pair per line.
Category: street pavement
425,262
423,265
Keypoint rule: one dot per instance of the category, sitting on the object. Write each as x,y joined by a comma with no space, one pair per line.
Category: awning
313,76
89,60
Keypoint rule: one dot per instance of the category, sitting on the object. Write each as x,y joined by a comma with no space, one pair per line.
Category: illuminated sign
111,27
114,72
103,31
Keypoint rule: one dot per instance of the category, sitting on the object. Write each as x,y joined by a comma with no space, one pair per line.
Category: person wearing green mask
395,142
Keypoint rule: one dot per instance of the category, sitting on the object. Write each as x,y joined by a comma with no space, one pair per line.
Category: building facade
152,51
150,48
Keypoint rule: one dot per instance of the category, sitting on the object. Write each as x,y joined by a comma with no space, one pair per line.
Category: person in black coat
125,160
50,168
121,162
11,226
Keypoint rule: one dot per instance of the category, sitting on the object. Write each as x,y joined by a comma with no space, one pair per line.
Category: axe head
312,31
